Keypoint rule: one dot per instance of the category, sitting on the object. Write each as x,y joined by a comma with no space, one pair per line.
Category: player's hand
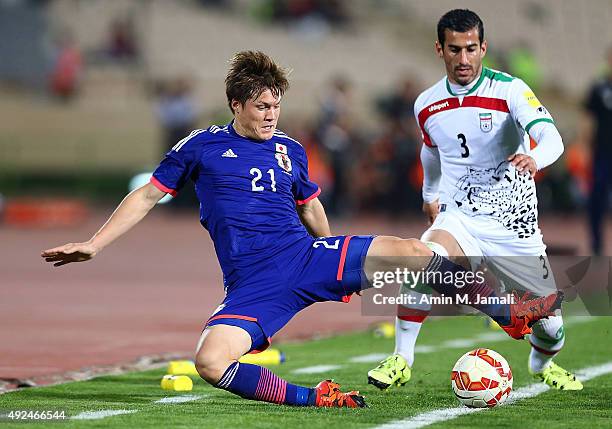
524,163
431,210
71,252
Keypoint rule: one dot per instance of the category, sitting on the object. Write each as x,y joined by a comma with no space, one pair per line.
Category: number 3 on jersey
257,173
464,146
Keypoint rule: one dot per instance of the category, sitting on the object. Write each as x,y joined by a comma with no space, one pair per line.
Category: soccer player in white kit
478,190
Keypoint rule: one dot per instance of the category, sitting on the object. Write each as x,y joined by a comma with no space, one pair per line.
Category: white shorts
518,263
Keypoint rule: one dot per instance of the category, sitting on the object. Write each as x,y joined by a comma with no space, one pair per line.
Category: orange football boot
525,312
329,395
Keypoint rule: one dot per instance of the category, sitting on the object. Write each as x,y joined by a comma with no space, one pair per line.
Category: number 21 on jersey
257,173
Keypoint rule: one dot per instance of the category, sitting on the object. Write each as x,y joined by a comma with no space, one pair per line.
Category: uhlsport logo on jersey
438,106
486,122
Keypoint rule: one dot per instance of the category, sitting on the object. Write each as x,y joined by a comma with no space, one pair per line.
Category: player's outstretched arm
312,214
132,209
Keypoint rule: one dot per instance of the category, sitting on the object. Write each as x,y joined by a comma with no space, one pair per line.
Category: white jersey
474,134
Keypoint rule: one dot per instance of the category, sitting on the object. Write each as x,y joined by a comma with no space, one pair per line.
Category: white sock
406,334
548,335
538,361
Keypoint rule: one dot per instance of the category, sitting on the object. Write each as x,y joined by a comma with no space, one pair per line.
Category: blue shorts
325,269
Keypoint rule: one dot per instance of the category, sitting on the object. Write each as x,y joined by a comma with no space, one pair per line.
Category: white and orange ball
481,378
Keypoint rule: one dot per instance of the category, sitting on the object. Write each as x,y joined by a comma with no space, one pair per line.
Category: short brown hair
250,74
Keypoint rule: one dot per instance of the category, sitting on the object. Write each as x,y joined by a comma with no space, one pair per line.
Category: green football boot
392,371
558,378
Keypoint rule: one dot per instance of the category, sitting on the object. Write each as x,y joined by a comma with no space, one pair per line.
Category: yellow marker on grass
182,367
267,357
384,330
178,383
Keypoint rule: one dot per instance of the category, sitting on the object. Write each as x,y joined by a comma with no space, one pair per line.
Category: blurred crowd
365,170
361,168
67,61
333,12
368,169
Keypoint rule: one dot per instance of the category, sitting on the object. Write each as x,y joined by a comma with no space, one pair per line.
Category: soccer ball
481,378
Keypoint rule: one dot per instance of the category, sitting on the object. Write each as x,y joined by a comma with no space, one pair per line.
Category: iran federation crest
486,122
283,159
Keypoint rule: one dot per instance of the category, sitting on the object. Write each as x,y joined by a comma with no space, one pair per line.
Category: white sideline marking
469,342
372,357
587,374
576,320
464,342
493,336
316,369
529,391
450,344
95,415
178,399
425,349
458,343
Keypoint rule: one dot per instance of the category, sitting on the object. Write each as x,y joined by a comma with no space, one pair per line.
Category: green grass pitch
588,344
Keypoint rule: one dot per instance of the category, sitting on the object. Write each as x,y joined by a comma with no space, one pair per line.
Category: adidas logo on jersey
229,154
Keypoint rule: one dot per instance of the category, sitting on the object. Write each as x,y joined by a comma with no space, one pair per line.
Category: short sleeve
178,165
525,107
303,189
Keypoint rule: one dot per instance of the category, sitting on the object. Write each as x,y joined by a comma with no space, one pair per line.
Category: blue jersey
248,190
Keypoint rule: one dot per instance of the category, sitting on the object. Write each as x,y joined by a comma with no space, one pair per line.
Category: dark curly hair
250,74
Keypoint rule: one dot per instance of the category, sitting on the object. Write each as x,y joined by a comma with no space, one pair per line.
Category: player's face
462,54
258,117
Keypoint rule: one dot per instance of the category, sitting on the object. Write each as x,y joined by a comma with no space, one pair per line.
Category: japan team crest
283,159
486,122
281,148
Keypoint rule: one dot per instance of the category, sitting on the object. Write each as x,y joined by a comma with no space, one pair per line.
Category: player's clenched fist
524,163
431,210
71,252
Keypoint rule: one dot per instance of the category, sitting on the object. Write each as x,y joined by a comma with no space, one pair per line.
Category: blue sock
498,312
259,383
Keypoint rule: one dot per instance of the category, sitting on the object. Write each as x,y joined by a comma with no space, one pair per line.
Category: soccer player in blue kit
273,240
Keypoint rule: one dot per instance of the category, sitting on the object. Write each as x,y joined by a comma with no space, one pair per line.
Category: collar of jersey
474,88
233,132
